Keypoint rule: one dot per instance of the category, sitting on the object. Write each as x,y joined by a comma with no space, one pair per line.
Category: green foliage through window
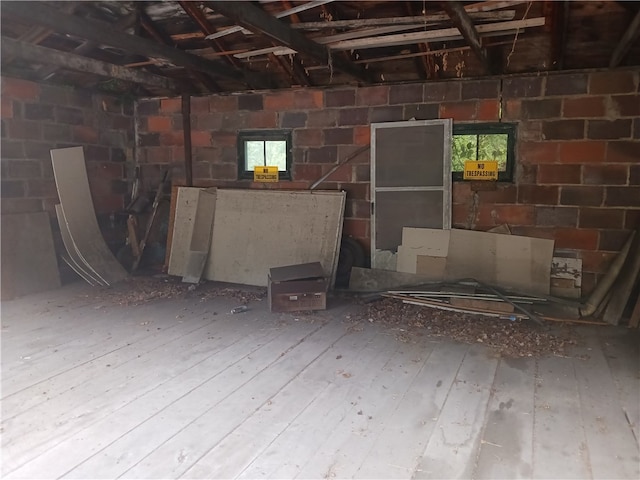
478,142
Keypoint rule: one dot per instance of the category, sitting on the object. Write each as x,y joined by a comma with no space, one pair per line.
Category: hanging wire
330,65
513,47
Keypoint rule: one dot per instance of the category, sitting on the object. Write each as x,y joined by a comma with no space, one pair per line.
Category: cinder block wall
37,118
577,176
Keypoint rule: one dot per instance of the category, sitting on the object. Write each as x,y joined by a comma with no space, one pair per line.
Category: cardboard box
297,287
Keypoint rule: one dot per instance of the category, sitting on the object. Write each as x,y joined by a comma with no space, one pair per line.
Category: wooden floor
184,389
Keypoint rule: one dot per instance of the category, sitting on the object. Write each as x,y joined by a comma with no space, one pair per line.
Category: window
264,148
475,142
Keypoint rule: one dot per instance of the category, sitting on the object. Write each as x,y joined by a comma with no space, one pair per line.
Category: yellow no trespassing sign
485,170
265,174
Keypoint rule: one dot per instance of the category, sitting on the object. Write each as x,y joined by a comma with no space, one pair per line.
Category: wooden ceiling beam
47,16
257,20
463,22
628,38
161,36
48,56
284,13
433,19
441,35
297,70
200,19
87,46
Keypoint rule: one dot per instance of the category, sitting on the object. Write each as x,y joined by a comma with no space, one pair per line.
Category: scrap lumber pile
470,297
512,339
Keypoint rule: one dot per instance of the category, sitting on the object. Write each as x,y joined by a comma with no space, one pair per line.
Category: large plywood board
510,261
185,215
254,231
70,172
29,262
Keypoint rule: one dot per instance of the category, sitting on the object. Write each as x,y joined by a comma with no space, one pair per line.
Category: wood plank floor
185,389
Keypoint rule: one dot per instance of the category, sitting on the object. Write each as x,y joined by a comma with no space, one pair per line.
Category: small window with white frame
263,148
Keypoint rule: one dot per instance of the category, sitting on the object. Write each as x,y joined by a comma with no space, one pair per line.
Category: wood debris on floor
141,290
518,338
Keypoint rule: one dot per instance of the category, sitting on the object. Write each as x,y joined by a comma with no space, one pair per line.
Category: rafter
42,55
629,36
200,19
47,16
87,46
257,20
161,37
283,14
463,22
297,70
432,19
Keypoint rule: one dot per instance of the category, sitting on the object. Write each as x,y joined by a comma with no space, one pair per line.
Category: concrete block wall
577,175
38,117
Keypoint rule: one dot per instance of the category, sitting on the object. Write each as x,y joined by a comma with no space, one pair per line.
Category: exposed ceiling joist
283,14
259,21
47,16
628,38
409,19
444,34
200,19
87,46
329,39
463,22
48,56
161,37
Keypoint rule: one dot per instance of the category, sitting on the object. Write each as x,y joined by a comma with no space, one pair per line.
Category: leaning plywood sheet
185,217
70,173
73,258
28,257
510,261
254,231
425,242
200,241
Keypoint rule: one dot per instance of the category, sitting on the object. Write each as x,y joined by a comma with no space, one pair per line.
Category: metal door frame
447,124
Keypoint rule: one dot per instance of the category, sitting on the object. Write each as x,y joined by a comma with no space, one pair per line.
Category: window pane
276,151
254,154
493,147
463,148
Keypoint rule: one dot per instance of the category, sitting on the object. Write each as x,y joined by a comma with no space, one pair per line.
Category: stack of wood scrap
469,298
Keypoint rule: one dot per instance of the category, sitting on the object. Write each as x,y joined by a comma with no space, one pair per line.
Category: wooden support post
186,129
